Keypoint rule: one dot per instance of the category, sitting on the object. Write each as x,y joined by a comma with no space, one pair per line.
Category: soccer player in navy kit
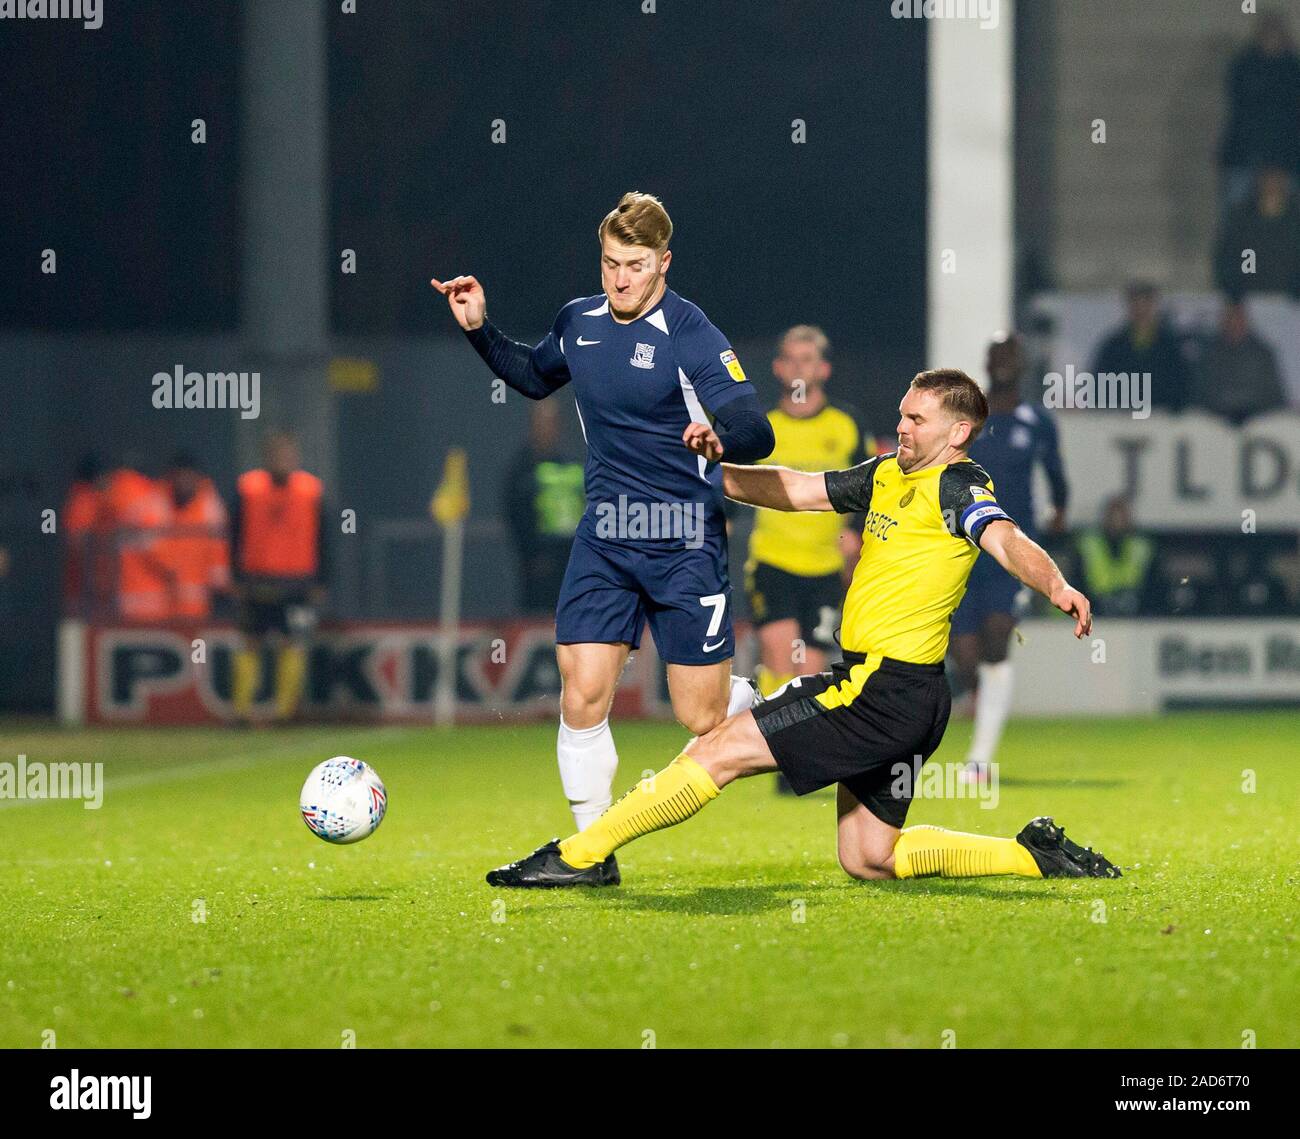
1017,436
648,371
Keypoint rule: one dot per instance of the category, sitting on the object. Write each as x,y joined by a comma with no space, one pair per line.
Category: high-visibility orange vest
136,510
279,525
197,552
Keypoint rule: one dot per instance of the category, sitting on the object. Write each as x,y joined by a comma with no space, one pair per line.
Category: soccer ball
343,800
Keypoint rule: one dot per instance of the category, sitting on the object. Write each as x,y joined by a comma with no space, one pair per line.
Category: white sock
992,703
588,761
742,695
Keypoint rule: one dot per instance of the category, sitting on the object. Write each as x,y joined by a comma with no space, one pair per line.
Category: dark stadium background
159,264
97,155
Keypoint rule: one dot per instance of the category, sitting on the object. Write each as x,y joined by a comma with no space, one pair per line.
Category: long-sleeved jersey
637,387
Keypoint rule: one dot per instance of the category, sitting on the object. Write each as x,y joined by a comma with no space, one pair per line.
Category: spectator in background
1268,222
278,547
1263,93
1147,342
1237,375
129,569
1115,562
544,500
195,548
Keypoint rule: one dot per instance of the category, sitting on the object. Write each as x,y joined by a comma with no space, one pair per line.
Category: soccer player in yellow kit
794,575
872,721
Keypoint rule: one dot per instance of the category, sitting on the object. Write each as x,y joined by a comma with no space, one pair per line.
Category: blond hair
806,332
638,219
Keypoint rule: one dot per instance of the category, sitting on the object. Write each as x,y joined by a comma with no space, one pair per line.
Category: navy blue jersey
1008,447
637,387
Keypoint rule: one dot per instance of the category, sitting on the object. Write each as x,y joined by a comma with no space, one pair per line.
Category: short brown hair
959,394
638,219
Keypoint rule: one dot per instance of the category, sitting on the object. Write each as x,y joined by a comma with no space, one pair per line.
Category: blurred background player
278,559
648,369
1017,436
195,548
544,501
794,573
129,571
794,576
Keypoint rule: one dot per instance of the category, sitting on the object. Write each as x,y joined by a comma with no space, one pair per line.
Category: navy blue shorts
611,590
990,590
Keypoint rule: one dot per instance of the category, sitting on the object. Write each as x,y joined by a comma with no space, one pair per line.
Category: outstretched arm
778,488
1027,561
533,372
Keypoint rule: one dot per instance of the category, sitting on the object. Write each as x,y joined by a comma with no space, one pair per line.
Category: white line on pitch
202,767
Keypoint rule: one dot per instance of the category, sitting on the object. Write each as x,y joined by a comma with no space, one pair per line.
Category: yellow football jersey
919,542
803,543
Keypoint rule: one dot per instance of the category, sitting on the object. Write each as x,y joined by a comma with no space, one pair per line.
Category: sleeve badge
734,370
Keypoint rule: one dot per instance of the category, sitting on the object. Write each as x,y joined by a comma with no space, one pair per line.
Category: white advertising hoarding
1134,667
1184,472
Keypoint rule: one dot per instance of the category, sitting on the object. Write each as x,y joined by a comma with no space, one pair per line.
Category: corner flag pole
449,508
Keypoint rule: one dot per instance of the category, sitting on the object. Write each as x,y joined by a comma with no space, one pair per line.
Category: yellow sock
670,797
290,676
769,681
247,672
932,852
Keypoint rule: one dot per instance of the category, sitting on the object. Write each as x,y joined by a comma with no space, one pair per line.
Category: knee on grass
866,869
866,860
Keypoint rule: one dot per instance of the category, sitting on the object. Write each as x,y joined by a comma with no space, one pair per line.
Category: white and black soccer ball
343,800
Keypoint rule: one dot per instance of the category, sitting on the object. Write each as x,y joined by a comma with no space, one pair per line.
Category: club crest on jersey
906,500
734,370
644,357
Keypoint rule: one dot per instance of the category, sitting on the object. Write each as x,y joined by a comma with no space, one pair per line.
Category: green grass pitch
735,929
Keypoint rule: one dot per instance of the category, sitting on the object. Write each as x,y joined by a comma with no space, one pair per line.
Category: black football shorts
275,608
814,602
869,723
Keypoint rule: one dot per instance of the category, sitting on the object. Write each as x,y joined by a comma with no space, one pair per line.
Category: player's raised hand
467,300
703,440
1072,602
